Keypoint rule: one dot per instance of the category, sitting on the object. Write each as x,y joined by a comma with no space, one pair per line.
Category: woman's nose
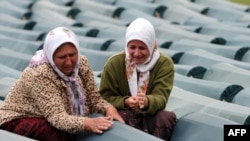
136,52
68,60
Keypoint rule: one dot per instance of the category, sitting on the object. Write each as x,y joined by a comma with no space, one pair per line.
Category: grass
245,2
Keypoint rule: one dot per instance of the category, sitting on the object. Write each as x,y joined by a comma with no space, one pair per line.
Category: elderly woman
139,80
55,93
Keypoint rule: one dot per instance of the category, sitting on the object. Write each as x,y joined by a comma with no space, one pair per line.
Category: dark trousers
160,125
36,128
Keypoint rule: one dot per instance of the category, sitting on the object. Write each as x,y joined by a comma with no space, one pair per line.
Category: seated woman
139,80
55,93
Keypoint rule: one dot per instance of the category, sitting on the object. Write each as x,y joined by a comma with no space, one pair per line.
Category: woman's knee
166,116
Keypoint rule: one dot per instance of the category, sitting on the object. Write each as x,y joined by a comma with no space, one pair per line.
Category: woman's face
138,51
65,58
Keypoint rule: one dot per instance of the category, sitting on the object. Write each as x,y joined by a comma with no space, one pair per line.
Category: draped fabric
160,125
36,128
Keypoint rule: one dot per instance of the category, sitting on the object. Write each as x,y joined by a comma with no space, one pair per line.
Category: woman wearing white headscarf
139,80
55,93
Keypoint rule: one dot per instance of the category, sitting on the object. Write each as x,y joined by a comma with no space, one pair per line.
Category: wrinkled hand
142,100
132,102
112,112
98,125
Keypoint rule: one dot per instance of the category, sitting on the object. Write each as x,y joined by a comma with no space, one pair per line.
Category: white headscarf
54,39
140,29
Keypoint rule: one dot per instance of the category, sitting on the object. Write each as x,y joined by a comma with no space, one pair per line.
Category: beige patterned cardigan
40,92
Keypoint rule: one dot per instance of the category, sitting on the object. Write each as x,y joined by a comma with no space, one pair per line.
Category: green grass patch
245,2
